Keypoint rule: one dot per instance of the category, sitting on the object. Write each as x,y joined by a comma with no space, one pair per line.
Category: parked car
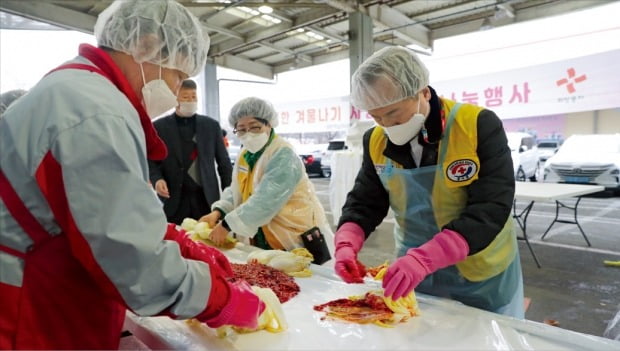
586,159
547,148
334,145
524,155
311,155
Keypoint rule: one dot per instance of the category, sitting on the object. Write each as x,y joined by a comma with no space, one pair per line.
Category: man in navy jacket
186,180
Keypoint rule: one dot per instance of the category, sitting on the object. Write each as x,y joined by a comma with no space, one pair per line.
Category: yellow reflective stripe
463,143
450,196
494,259
244,178
377,144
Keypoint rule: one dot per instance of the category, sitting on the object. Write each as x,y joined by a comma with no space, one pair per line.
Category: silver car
587,159
547,148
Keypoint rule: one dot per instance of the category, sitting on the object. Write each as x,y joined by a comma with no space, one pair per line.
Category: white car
334,145
587,159
524,155
547,148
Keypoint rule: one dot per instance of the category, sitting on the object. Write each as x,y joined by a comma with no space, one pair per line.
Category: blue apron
410,192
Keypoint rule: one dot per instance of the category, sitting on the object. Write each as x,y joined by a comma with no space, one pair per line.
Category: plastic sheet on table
442,325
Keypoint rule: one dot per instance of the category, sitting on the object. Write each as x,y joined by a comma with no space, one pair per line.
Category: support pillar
211,102
361,44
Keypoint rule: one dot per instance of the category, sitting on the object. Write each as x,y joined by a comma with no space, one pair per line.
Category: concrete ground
573,287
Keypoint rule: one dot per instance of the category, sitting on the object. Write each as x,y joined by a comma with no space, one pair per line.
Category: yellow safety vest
458,166
300,213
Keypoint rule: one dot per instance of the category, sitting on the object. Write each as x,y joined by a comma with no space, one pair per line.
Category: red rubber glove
242,310
198,251
444,249
349,241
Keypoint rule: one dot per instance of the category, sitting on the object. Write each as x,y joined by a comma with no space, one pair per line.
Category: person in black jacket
186,181
445,170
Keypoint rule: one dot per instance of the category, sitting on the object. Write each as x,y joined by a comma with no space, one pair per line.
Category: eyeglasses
253,129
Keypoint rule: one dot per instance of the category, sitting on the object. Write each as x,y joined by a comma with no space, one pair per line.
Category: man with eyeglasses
271,201
445,170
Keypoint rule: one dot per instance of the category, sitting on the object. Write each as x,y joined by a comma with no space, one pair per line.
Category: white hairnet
254,107
390,75
162,32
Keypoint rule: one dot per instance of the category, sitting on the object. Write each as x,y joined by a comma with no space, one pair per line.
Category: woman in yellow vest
270,200
445,170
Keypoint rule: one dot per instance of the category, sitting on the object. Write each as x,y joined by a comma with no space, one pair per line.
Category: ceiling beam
404,27
49,13
224,47
221,30
286,51
332,56
347,6
384,15
291,4
218,38
520,15
556,8
328,34
314,15
237,35
241,64
270,32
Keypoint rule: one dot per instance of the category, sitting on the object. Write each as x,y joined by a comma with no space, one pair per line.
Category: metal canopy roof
291,34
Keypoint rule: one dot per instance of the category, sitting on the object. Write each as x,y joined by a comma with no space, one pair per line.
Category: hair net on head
162,32
390,75
254,107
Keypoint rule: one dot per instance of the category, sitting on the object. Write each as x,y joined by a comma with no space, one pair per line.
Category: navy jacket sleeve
224,166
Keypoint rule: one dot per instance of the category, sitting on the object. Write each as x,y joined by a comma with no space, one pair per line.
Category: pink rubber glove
349,241
444,249
198,251
242,310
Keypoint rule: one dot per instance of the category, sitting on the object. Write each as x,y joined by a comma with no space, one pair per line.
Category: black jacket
211,149
489,197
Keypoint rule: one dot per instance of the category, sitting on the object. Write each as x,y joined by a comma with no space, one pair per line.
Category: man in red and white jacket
83,237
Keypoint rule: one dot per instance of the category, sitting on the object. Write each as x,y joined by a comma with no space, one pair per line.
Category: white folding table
531,191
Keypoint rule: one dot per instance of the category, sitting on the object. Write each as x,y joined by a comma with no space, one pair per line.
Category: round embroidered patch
461,170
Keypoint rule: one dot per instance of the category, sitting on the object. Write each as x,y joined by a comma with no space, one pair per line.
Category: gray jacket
91,130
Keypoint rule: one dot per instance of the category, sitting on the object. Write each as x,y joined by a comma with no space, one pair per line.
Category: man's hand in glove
349,240
242,310
444,249
196,250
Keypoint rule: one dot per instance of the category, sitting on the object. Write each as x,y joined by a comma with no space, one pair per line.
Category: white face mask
254,141
403,133
157,98
187,109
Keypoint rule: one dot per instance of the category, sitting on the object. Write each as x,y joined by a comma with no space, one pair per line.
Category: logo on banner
571,80
461,170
